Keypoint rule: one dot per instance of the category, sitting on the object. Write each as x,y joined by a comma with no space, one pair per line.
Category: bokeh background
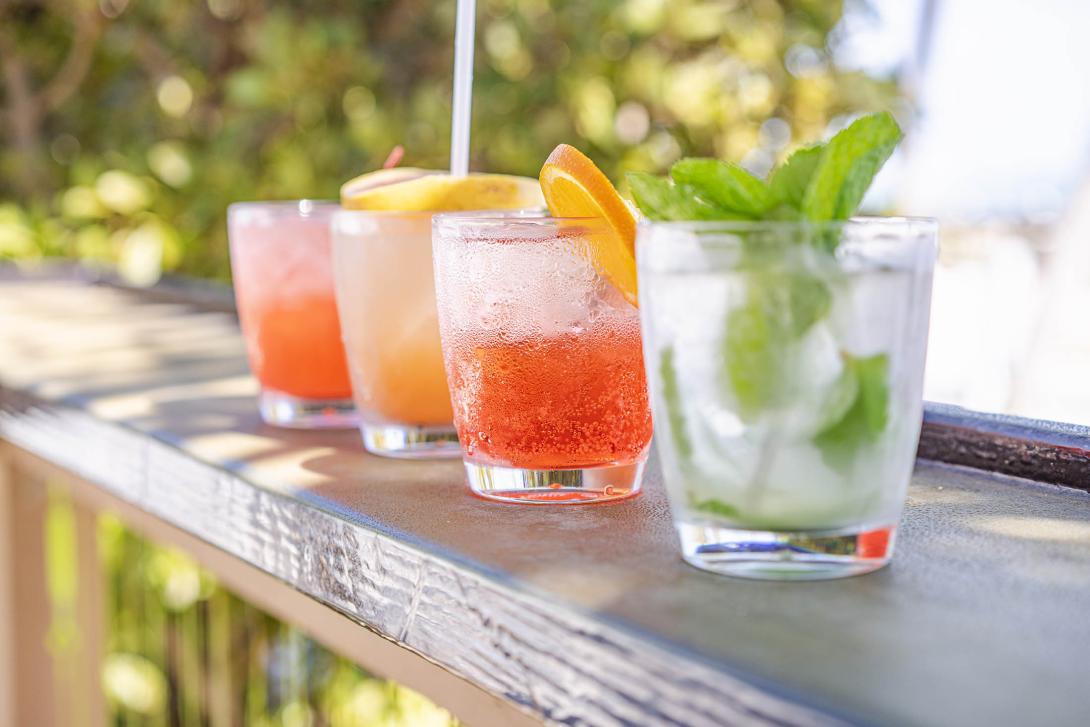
128,126
131,124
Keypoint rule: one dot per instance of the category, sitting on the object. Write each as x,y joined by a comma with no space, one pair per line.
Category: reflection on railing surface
182,650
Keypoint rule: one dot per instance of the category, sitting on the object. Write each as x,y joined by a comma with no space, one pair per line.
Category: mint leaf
808,300
725,185
753,349
839,398
789,181
716,507
661,200
866,419
779,309
671,394
847,167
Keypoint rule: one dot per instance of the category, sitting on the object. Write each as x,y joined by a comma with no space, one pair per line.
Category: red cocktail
543,359
281,263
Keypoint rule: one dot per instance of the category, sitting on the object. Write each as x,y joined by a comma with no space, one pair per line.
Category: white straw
461,108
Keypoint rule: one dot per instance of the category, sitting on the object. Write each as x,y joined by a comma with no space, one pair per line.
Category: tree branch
22,116
86,29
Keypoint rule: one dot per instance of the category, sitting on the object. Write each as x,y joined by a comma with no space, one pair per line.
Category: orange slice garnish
574,187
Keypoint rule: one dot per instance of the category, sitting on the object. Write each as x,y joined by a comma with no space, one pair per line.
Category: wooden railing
140,404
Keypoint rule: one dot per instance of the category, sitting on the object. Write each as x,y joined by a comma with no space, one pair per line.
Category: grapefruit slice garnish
404,189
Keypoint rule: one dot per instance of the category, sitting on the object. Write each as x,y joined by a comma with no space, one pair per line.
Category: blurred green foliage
181,650
129,125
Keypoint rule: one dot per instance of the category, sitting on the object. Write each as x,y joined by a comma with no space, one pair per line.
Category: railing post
8,630
27,692
89,700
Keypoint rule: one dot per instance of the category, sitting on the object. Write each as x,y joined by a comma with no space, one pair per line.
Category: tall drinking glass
543,359
386,296
283,278
786,363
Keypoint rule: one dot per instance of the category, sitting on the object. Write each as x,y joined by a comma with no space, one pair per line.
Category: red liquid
284,289
295,347
570,401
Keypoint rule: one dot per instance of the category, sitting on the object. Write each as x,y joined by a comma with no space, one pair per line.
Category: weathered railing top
580,615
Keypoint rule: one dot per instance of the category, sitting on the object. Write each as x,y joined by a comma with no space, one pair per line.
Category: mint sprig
726,185
780,308
847,167
817,184
671,394
867,417
662,200
789,181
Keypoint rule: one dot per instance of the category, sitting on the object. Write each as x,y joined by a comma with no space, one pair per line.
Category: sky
1003,101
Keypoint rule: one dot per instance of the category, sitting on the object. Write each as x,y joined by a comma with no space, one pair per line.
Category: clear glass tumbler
283,278
543,359
786,362
386,297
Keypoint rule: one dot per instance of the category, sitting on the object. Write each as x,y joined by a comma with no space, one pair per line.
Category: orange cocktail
543,357
386,296
281,264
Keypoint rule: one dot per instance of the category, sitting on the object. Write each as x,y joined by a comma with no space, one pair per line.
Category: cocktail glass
543,360
386,296
786,386
283,278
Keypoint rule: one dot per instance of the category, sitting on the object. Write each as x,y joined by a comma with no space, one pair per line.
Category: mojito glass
786,362
543,359
386,297
283,279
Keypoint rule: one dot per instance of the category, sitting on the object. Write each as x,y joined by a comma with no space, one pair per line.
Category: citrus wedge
381,178
574,187
421,190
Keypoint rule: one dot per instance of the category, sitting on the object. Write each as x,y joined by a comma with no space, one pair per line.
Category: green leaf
661,200
868,416
790,180
724,185
808,300
753,349
839,398
671,394
779,309
847,167
716,507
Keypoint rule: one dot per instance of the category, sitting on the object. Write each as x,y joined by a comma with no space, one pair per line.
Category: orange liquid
295,347
385,288
401,380
569,401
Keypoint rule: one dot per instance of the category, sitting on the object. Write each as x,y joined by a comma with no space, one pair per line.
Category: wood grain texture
1037,450
561,664
371,651
34,688
582,616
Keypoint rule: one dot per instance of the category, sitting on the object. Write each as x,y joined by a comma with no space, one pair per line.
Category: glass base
555,487
786,556
405,441
293,412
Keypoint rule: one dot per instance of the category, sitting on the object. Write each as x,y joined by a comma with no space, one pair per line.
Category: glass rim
413,214
738,226
283,208
521,218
